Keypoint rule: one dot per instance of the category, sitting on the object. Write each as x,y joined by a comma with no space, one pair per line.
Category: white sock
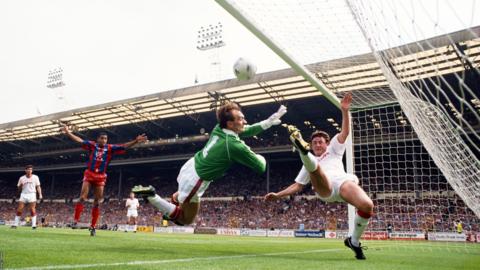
161,204
135,227
17,221
309,161
34,221
360,226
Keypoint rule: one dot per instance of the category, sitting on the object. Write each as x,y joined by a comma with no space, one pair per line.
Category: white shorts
190,186
132,213
337,182
28,198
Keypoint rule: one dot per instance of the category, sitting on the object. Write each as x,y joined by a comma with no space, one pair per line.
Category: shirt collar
229,132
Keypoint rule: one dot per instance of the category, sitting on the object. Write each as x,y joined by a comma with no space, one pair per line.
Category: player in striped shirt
100,153
224,148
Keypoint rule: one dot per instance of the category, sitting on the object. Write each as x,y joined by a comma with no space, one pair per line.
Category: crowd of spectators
254,212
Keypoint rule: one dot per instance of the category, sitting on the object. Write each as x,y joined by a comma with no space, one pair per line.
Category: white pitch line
76,266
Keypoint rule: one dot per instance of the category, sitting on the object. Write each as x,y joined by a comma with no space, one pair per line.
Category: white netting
409,190
422,55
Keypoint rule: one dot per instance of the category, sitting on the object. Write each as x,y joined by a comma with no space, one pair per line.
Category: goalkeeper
224,148
324,169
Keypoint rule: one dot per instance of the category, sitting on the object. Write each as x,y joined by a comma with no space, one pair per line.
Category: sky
117,49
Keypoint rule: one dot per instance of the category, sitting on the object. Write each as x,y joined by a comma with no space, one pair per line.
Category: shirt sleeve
88,145
37,181
241,153
19,182
303,177
118,149
250,131
337,147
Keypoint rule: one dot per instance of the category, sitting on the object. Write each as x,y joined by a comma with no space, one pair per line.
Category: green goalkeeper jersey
223,149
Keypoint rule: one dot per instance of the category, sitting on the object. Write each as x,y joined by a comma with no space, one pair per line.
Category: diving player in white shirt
324,169
28,185
132,213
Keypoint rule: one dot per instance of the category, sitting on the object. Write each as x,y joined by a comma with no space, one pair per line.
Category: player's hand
272,196
274,119
64,129
346,102
141,138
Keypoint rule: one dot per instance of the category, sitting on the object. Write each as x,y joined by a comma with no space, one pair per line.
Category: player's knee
367,206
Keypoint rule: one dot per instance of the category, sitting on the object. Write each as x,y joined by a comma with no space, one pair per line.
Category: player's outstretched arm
290,190
257,128
139,139
345,107
241,153
69,133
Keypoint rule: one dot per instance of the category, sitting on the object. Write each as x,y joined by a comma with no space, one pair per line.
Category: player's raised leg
166,208
319,180
190,189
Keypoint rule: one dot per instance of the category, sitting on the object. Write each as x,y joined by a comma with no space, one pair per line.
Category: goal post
243,18
413,70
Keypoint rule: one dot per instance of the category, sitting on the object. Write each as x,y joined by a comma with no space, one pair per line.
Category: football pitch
46,248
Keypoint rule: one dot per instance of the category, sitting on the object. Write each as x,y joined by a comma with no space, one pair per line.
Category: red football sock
95,215
78,211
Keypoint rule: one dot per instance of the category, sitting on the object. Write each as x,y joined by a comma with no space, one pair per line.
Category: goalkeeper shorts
190,186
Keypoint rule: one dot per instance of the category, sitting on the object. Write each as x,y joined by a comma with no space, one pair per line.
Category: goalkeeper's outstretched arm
257,128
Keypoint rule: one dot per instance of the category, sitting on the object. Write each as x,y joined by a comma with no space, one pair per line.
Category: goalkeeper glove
274,119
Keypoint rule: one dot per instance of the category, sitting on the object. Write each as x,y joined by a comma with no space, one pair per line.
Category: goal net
413,69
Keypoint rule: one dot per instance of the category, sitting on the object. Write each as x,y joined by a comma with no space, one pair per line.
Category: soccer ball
244,70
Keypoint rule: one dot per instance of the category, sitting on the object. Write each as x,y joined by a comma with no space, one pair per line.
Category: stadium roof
359,73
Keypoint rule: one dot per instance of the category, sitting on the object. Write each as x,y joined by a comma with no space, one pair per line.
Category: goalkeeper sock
361,222
161,204
309,161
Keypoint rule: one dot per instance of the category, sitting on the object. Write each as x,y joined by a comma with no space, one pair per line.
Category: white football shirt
330,162
132,204
29,184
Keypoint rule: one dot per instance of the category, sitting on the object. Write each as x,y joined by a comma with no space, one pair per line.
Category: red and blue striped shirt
99,156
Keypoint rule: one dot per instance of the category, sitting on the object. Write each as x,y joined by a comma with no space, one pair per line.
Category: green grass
75,249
